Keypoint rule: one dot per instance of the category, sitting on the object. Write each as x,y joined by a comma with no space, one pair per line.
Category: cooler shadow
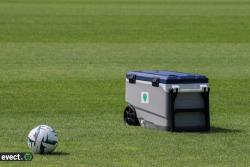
223,130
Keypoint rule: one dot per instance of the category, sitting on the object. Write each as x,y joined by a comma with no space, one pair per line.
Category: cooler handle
201,89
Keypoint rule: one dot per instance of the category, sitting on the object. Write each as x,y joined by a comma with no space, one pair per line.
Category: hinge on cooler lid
155,82
205,88
175,88
132,78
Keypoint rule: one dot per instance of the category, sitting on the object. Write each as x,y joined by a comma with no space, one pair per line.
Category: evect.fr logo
17,156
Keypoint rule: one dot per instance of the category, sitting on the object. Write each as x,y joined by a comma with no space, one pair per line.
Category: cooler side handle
201,89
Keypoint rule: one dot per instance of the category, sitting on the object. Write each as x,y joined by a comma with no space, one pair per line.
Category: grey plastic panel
150,117
189,119
189,101
157,97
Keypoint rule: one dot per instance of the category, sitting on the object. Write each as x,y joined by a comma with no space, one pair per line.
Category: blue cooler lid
168,77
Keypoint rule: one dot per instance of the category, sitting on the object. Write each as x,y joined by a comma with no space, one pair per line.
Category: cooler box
167,100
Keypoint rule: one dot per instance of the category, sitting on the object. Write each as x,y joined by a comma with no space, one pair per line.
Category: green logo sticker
28,156
145,97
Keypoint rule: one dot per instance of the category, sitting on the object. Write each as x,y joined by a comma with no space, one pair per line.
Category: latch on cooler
156,82
132,78
175,88
205,88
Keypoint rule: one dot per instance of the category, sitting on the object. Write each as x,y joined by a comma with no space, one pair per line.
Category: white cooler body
180,106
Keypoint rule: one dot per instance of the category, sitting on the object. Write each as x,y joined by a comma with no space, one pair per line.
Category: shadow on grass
214,129
58,153
223,130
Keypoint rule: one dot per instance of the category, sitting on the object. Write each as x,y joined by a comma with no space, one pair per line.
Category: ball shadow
58,153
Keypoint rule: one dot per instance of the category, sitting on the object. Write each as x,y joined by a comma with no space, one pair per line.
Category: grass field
63,63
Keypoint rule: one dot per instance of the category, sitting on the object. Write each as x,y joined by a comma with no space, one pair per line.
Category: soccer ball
42,139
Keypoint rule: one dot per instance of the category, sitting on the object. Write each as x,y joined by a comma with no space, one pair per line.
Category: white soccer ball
42,139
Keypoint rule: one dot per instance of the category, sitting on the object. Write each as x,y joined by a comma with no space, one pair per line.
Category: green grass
63,63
